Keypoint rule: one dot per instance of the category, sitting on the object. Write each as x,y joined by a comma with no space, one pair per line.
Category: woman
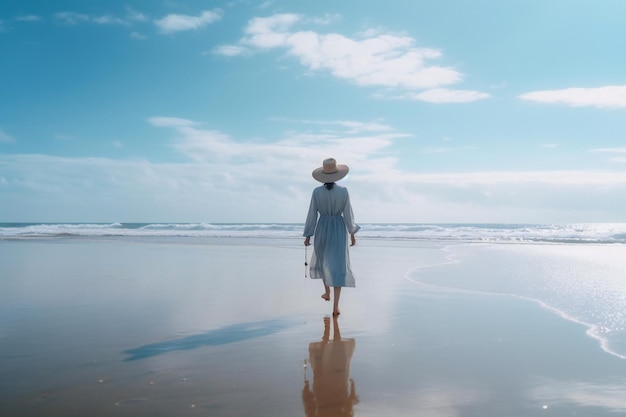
330,260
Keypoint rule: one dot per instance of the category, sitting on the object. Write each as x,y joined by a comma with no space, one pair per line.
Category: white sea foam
491,233
580,283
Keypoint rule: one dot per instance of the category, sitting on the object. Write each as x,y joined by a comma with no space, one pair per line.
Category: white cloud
28,18
178,22
327,19
109,20
269,32
612,96
203,145
614,159
273,183
5,138
135,15
556,178
72,18
609,150
137,35
444,95
230,50
353,126
269,179
444,150
360,142
170,121
375,59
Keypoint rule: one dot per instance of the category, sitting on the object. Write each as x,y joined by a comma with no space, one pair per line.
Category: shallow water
223,327
582,283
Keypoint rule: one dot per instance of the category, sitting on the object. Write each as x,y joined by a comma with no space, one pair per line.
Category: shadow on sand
222,336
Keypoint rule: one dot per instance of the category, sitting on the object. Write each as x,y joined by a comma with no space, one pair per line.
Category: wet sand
219,327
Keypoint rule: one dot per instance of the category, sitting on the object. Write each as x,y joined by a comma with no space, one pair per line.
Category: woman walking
330,261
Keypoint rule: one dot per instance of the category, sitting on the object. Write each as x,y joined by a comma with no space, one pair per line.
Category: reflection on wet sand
333,392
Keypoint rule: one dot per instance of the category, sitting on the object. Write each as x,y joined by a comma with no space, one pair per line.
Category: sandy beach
231,327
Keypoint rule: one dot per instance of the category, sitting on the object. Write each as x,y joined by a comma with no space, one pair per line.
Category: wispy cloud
376,59
178,22
612,96
224,176
445,95
363,142
230,50
109,20
28,18
444,149
72,18
134,15
353,127
608,150
617,154
6,138
327,19
138,35
161,121
205,145
556,178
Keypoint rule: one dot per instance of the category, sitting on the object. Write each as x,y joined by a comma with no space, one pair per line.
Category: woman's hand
307,241
352,240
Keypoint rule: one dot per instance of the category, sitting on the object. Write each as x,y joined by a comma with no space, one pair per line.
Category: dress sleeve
311,218
348,217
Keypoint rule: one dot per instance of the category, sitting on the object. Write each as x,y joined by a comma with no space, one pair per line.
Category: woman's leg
326,295
336,311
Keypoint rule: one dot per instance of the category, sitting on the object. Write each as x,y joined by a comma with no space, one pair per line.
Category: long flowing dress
331,260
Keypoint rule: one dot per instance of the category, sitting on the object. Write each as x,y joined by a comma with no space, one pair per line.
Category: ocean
583,233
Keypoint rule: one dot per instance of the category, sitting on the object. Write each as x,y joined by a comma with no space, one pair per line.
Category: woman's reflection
330,360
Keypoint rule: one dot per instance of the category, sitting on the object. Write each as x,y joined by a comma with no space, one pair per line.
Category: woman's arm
348,217
311,218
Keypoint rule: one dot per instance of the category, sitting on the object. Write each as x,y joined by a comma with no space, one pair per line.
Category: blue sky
211,111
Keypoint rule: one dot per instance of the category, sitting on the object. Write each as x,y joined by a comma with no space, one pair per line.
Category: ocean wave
589,233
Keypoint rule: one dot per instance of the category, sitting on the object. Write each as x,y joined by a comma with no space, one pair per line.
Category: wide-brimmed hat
330,171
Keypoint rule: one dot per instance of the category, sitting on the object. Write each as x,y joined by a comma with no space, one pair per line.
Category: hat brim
321,176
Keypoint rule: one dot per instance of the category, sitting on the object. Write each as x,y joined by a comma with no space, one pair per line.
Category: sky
217,111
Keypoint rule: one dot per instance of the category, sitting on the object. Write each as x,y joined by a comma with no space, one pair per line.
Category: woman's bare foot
336,296
326,296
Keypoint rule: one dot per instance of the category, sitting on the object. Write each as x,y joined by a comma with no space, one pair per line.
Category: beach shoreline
177,326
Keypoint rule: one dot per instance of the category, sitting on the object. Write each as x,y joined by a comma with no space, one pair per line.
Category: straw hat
330,171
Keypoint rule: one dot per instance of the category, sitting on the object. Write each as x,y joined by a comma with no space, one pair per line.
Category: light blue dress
330,260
